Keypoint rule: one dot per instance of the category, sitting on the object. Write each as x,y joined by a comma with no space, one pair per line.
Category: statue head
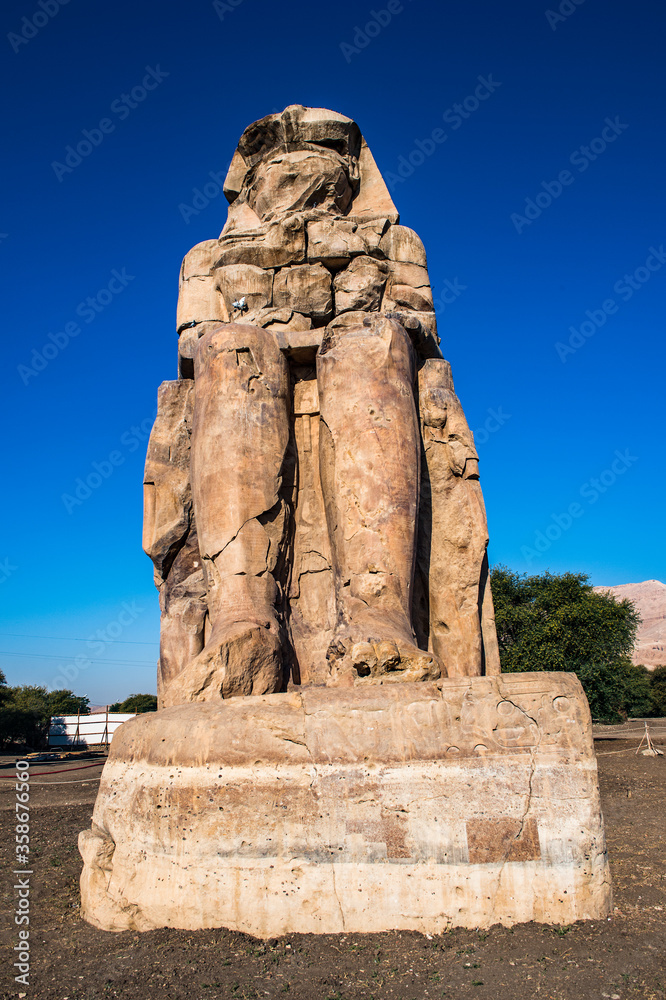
301,179
301,159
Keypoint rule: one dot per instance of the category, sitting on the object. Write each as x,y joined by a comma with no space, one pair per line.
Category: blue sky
539,199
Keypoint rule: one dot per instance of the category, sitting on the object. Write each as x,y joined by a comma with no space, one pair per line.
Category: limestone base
465,802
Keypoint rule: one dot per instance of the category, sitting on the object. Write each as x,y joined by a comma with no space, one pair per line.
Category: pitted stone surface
469,801
314,569
336,748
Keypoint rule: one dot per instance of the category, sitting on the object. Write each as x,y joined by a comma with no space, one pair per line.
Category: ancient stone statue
312,503
315,519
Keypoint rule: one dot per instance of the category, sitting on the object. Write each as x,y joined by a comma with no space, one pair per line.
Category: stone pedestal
466,801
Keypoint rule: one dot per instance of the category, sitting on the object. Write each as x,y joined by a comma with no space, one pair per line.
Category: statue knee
241,346
379,344
235,337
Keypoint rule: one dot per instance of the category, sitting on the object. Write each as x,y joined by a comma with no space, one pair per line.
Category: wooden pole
650,749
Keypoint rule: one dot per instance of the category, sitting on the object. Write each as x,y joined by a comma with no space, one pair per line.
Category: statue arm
408,294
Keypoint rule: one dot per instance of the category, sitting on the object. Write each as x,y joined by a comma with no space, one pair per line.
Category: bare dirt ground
621,958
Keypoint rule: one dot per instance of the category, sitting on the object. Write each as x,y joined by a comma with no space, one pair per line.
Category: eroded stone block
414,806
244,281
334,242
360,286
304,288
403,244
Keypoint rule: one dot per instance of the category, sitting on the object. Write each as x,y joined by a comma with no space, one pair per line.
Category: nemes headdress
299,128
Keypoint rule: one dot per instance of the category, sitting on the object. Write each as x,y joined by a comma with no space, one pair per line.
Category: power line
49,656
71,638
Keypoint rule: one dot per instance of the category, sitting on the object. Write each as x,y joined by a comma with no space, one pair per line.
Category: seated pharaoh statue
315,520
312,500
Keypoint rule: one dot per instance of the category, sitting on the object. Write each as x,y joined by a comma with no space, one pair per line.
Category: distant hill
649,599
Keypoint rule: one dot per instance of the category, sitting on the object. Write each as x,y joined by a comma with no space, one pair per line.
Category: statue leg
183,607
369,460
491,656
240,439
454,550
170,535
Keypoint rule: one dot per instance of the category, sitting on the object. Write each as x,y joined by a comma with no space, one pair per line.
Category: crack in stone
529,796
337,898
296,742
314,552
533,755
521,710
253,517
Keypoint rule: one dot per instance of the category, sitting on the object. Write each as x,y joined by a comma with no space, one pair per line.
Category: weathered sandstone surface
335,749
466,801
313,508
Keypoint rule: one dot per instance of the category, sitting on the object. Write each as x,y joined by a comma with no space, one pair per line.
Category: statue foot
387,661
241,659
384,661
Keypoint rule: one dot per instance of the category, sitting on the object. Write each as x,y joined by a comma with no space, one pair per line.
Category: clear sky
524,144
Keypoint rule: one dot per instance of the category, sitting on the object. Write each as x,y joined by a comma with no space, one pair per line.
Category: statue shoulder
198,299
403,245
198,261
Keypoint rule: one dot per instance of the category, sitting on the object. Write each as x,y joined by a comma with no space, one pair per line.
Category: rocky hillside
649,598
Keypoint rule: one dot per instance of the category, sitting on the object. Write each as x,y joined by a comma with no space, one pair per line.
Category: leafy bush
658,691
616,691
25,712
21,727
136,703
552,622
638,696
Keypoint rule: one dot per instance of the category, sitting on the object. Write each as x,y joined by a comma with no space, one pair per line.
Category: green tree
48,703
638,699
26,711
10,719
67,703
136,703
552,622
658,691
617,690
